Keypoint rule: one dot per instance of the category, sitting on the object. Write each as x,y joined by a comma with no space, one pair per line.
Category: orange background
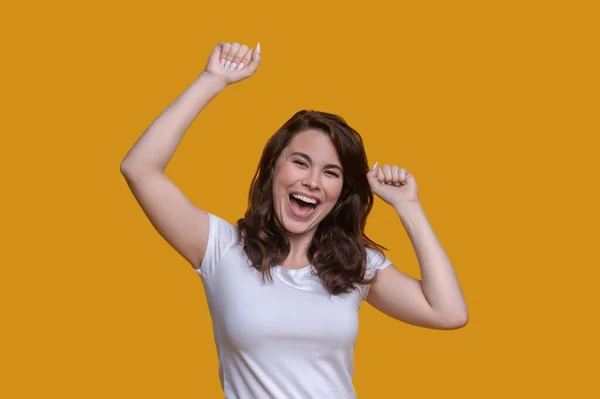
493,106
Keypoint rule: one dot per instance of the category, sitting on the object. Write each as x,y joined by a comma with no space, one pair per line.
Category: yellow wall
492,106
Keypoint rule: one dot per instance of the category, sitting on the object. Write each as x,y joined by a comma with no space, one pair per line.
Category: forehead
314,143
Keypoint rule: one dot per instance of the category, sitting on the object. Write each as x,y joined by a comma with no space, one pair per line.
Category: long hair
338,250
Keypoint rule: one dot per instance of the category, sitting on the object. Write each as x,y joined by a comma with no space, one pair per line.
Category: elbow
130,172
129,169
135,167
455,321
460,322
125,167
127,172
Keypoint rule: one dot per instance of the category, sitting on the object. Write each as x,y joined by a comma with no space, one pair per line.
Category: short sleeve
222,235
376,261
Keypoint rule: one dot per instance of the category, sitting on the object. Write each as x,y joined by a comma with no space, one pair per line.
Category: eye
332,173
299,162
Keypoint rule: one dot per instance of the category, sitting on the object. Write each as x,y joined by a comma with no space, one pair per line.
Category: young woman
284,284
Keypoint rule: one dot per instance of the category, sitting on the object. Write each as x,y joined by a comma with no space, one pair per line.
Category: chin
297,228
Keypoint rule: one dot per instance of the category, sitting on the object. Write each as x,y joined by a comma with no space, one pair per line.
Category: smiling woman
304,197
284,284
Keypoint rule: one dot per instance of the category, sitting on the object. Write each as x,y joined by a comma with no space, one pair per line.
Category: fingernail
240,66
374,165
222,61
258,48
227,65
233,66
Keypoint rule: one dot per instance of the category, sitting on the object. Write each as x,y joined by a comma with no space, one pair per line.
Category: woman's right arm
183,225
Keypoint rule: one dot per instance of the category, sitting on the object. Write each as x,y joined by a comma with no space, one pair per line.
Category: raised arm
183,225
436,301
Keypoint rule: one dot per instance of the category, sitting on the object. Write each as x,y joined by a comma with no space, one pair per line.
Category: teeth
305,199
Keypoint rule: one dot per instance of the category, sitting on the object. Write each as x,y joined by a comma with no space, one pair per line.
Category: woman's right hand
232,62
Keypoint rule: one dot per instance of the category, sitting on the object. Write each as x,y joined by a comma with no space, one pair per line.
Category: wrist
411,215
214,81
409,208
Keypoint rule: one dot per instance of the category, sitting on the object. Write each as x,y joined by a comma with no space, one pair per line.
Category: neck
298,249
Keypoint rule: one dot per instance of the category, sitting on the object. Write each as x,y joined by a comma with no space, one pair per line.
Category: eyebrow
308,158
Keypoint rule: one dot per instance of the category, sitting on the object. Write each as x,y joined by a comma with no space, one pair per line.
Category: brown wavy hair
338,249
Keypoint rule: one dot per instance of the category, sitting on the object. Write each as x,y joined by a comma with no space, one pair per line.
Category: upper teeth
305,199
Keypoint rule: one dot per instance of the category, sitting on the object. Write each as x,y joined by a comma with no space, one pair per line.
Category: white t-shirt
287,338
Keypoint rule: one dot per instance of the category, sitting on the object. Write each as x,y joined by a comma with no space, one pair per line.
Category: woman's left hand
394,185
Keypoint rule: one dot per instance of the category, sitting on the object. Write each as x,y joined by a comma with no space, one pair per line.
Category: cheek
282,179
285,175
334,190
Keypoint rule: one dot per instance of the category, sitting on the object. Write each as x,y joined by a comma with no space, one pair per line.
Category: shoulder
220,226
222,235
376,260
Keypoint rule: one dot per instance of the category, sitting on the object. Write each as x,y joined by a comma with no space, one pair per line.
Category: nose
311,182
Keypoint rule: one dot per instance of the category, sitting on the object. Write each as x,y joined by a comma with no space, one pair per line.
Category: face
307,182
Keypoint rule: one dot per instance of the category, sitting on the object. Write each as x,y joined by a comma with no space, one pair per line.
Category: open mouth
302,206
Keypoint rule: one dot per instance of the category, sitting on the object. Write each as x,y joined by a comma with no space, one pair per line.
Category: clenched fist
232,62
394,185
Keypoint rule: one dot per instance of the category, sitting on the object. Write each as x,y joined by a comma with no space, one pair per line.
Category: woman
285,283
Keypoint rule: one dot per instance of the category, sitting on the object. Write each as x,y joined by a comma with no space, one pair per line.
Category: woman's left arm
435,301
